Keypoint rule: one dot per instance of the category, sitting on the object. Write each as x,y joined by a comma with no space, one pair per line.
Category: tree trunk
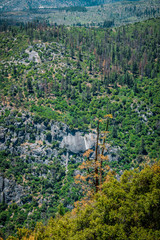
96,160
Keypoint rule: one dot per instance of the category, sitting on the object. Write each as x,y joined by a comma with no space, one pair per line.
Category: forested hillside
55,83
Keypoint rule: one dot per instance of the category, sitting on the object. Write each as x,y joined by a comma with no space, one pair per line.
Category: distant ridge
18,5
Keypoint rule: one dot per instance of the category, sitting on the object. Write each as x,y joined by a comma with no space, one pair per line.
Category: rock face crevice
10,191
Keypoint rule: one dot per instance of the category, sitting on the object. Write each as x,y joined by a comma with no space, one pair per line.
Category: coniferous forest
79,130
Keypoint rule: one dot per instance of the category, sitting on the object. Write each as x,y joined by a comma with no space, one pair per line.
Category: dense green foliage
128,209
75,75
